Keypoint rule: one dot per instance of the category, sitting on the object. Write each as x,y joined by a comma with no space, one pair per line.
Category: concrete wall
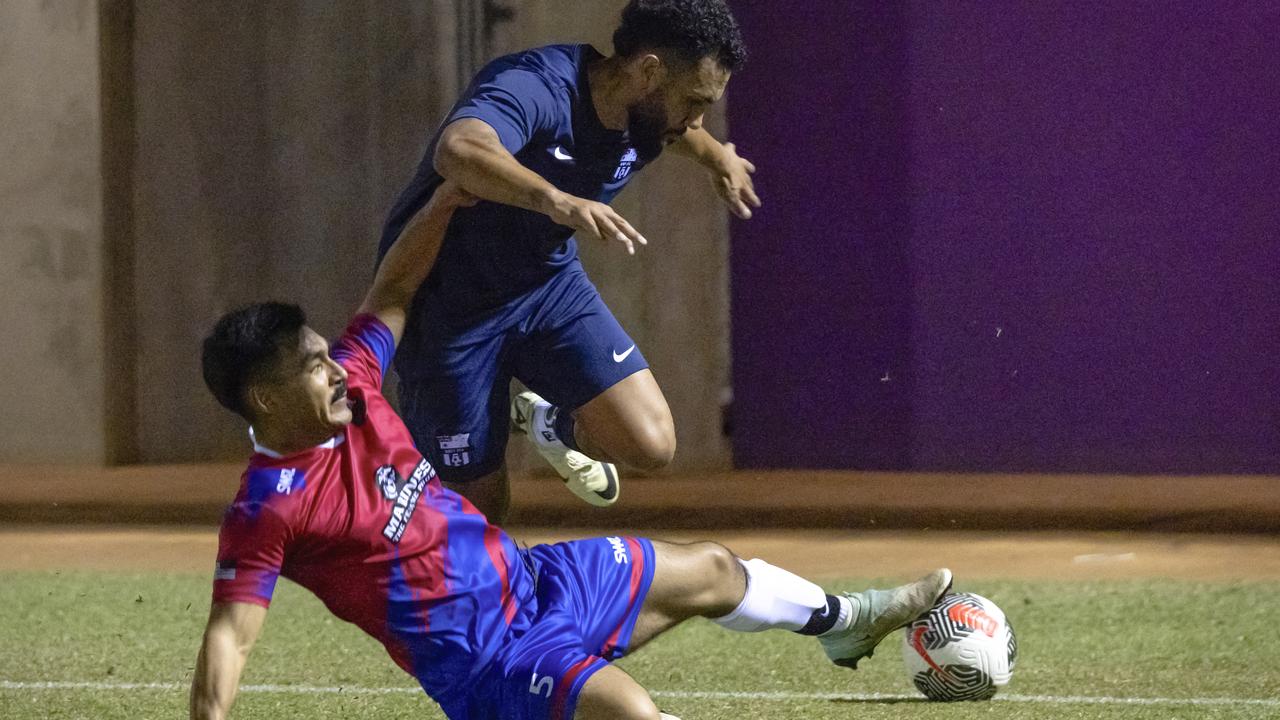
1011,237
270,142
251,151
271,138
51,238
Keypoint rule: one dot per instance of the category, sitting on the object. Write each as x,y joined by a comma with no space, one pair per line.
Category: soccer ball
962,649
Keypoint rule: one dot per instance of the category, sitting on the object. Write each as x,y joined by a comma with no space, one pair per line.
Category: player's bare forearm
699,145
217,675
410,259
471,154
730,173
230,634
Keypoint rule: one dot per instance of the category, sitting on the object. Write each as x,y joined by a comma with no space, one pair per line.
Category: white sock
778,599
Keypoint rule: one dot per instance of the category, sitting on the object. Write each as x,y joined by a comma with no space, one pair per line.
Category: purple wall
1009,237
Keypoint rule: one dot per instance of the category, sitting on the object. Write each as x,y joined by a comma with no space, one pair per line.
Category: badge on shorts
455,450
624,166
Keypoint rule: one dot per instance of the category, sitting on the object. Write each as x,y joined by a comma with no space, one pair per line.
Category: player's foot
592,480
665,716
876,613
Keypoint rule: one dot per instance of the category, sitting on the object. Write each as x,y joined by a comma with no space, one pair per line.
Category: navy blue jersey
539,103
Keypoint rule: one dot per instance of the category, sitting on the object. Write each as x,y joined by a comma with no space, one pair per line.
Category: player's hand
596,221
732,179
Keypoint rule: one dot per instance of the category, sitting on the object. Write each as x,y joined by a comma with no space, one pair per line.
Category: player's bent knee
654,447
723,565
725,580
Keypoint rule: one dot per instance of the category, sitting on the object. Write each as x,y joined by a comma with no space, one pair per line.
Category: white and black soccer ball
962,649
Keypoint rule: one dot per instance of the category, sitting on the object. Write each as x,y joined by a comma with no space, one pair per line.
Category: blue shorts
558,339
588,596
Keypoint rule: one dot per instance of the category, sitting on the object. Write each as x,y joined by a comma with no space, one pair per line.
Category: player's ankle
564,425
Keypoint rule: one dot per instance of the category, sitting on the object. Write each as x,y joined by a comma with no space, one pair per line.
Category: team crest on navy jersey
389,481
455,450
624,166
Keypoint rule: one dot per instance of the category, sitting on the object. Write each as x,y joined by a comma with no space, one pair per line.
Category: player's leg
466,448
601,402
629,423
589,596
706,579
592,480
546,676
702,579
611,693
480,473
453,398
606,415
623,591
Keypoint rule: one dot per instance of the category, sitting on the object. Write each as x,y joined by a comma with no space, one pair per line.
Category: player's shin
778,599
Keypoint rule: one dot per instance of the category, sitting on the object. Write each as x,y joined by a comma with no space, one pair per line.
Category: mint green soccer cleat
879,612
594,481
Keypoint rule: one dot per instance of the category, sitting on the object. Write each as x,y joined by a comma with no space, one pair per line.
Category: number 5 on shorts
538,685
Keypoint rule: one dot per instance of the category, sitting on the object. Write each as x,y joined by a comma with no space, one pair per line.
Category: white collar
329,444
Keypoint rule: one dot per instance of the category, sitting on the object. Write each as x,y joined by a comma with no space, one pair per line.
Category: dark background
1009,237
996,237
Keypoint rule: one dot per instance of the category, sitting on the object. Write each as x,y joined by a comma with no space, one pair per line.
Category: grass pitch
98,645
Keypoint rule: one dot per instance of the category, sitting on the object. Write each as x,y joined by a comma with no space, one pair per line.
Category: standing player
337,498
546,138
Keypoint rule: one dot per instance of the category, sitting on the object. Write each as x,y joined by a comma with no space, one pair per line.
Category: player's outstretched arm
471,154
730,173
230,634
411,257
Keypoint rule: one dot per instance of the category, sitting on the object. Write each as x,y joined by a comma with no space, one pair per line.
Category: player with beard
546,138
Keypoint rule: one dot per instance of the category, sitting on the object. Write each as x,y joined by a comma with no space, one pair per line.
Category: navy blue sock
562,423
823,619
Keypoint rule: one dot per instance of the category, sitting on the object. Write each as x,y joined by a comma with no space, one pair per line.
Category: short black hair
243,344
693,29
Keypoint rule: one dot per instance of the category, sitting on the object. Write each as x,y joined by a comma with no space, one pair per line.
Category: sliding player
337,498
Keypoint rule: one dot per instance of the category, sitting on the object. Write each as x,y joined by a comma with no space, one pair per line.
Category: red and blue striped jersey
363,522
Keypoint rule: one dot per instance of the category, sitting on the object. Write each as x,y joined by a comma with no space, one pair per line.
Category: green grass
1160,639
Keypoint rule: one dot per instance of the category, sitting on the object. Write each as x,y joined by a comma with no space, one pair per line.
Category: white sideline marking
676,694
1046,699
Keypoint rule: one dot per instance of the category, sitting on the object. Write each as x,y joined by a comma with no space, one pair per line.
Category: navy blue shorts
558,339
588,596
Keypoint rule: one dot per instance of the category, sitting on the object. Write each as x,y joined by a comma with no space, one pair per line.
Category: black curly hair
692,29
244,343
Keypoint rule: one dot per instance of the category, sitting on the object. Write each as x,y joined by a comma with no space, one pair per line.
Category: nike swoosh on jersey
619,358
559,154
